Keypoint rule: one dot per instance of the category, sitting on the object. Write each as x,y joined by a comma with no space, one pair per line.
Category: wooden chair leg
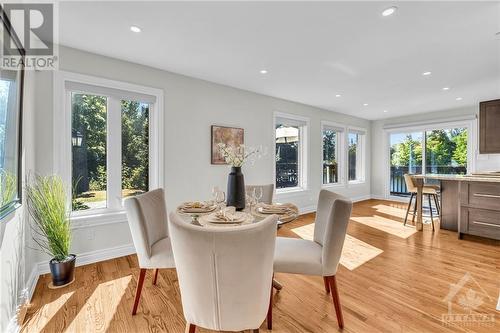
336,300
142,274
156,276
327,284
430,208
414,210
436,201
408,208
270,310
190,328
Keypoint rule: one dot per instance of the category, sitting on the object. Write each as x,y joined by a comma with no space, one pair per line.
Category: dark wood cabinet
479,212
489,127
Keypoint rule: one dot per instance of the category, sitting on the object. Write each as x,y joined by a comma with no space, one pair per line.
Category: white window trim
470,123
362,164
303,152
62,147
341,138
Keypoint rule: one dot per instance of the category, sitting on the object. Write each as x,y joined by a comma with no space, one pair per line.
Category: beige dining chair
225,273
267,192
320,256
427,190
147,219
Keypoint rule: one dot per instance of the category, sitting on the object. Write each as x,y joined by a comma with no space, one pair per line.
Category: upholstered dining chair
148,222
267,192
320,256
225,273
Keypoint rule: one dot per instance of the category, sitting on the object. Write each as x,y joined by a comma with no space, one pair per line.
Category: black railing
397,181
286,175
330,174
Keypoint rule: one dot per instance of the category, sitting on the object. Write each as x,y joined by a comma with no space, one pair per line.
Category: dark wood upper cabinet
489,127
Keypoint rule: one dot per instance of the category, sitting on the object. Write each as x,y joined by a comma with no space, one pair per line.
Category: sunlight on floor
43,316
102,311
354,253
386,225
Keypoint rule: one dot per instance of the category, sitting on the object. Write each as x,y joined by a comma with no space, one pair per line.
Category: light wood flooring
400,290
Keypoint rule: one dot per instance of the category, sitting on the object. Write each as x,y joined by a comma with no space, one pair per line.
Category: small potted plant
46,202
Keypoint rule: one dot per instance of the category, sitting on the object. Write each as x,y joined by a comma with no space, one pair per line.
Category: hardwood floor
400,290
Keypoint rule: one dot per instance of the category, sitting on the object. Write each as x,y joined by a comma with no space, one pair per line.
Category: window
290,135
355,149
114,142
446,152
10,105
332,144
88,141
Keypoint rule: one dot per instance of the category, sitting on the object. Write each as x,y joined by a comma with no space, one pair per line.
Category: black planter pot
62,272
236,189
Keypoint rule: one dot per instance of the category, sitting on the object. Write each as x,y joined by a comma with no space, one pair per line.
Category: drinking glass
258,194
220,197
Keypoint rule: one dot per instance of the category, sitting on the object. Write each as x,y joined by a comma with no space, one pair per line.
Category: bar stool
427,190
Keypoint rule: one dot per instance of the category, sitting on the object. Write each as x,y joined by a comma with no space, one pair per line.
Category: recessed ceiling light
446,88
426,73
459,98
338,95
366,104
135,28
389,11
263,71
385,111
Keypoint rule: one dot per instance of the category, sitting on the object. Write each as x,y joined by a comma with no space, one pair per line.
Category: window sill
333,185
357,182
80,221
290,190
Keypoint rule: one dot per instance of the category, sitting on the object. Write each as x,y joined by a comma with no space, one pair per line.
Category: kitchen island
470,204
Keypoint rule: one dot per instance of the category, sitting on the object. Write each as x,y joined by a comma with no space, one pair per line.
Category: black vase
62,272
236,189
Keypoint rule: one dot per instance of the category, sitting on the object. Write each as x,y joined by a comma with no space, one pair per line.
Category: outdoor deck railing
397,181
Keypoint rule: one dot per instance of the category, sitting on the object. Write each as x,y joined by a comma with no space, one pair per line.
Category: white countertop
464,178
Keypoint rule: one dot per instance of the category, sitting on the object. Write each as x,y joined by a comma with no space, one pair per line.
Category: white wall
380,144
15,257
191,106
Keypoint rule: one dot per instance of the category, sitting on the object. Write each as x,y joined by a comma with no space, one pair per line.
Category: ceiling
312,51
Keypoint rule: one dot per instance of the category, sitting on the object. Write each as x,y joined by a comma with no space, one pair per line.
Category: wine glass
258,192
220,197
250,197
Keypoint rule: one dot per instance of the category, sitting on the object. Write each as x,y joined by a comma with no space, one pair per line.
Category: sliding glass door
445,153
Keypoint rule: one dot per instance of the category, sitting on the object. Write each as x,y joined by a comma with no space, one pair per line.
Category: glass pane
9,126
405,157
446,151
89,151
135,148
287,156
353,147
330,162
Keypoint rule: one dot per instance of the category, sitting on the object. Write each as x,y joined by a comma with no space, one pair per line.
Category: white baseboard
94,256
361,198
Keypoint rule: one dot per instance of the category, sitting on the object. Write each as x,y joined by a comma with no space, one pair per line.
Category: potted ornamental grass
236,157
46,202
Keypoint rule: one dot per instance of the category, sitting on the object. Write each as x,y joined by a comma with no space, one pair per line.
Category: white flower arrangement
237,156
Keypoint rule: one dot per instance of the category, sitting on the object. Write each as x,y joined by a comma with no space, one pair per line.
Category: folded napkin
275,209
196,207
194,204
227,214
